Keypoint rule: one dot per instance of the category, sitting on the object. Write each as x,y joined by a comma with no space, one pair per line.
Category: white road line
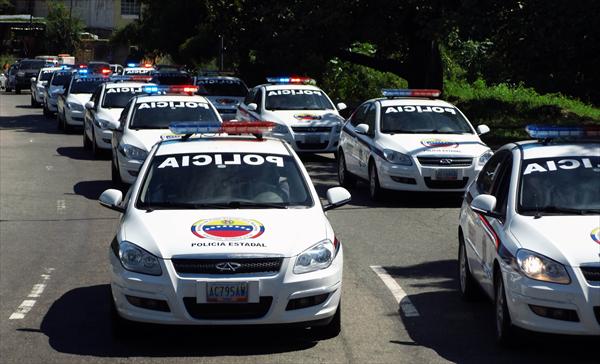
61,206
36,292
405,303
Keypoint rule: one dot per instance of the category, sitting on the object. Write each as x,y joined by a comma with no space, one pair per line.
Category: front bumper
423,178
178,289
312,142
128,168
580,297
103,137
73,117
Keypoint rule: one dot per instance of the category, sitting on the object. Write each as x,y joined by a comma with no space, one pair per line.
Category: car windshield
37,64
421,119
216,87
297,99
45,75
84,85
159,114
118,97
224,181
565,185
61,79
171,79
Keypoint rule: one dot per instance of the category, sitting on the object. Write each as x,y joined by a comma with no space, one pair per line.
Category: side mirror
33,79
485,205
252,106
482,129
341,106
337,196
362,129
112,199
89,105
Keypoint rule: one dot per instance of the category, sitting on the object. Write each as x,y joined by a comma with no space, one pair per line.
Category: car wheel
467,284
505,331
86,141
375,190
345,178
333,328
33,102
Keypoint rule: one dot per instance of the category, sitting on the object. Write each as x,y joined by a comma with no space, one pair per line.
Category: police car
39,83
410,141
305,116
145,120
529,233
214,232
137,69
60,79
103,111
70,103
224,92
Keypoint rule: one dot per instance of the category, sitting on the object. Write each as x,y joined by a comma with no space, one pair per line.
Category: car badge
595,235
228,266
445,161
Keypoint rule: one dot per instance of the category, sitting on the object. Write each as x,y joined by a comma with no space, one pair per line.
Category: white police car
145,120
305,116
409,142
529,233
224,92
214,232
103,111
39,83
60,79
70,103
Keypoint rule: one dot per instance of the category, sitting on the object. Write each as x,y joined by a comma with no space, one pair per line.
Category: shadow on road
323,172
32,123
463,332
92,189
79,323
78,153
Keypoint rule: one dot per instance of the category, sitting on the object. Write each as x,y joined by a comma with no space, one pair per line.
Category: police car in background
410,141
134,69
214,233
224,92
171,77
70,102
60,79
305,116
145,120
103,111
529,233
39,83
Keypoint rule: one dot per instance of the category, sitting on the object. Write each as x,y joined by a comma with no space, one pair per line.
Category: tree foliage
62,30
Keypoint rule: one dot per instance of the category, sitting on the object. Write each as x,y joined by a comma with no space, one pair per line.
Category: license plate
220,292
446,174
312,139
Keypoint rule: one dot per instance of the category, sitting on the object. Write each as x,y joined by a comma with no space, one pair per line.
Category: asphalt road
54,239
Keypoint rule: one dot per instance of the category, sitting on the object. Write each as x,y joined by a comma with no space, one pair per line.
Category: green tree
62,30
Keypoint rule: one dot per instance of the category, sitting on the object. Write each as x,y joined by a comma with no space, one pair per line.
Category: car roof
289,86
229,78
532,149
385,102
223,144
151,98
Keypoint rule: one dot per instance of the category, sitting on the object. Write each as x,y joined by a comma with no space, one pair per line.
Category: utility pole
221,53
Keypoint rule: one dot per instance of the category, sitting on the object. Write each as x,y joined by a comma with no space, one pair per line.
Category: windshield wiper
169,205
544,210
250,204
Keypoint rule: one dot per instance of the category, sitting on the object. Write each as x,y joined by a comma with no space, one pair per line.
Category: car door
350,140
90,115
478,233
243,114
117,134
365,142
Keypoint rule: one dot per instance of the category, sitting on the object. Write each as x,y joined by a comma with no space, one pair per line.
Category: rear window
118,97
221,88
46,75
37,64
61,79
159,114
85,85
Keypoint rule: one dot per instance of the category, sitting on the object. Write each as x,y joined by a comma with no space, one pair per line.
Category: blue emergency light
131,65
292,80
152,89
82,71
537,131
194,127
407,92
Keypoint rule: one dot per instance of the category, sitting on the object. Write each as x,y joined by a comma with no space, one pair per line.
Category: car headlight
485,157
136,259
101,123
316,257
396,157
20,73
132,152
541,268
75,106
280,129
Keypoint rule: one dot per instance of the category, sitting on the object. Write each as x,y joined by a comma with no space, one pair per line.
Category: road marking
401,297
36,291
49,168
61,206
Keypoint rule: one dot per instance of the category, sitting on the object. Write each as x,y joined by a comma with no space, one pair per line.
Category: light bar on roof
292,80
131,65
407,92
556,131
170,89
229,127
139,78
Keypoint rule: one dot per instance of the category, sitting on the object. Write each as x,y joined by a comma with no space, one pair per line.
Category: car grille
302,145
311,129
227,311
591,274
209,266
435,161
446,184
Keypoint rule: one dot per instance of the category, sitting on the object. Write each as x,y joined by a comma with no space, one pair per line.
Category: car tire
33,102
466,282
505,331
345,178
333,328
375,190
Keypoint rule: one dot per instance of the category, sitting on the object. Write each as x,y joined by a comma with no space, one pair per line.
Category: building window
130,7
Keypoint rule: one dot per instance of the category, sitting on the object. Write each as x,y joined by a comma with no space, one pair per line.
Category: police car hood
187,233
459,145
111,115
145,138
304,117
225,102
569,240
79,98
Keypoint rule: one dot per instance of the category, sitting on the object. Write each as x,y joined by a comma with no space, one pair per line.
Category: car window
234,180
486,177
159,114
501,186
251,96
420,119
370,119
117,97
258,100
297,99
85,85
124,113
221,87
359,115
